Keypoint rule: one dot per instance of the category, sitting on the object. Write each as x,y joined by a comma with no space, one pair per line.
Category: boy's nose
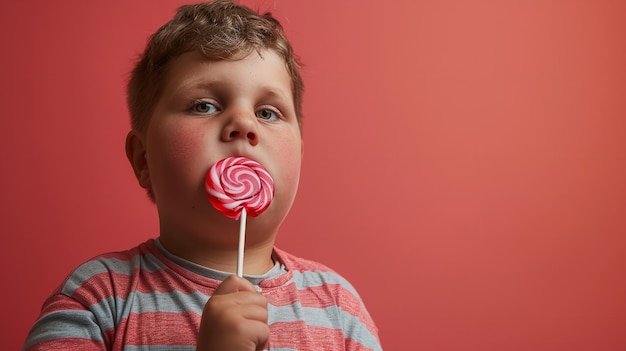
241,126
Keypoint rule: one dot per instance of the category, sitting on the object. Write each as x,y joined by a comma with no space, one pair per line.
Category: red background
465,161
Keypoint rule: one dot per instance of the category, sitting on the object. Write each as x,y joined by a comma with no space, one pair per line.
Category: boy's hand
234,318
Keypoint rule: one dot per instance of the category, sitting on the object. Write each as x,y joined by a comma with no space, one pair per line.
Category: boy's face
210,110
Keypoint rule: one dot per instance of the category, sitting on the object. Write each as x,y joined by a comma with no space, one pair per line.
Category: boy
216,81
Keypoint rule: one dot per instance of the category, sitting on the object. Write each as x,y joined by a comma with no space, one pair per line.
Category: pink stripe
300,336
160,325
68,344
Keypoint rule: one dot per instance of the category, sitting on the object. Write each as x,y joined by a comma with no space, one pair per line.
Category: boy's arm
65,324
360,332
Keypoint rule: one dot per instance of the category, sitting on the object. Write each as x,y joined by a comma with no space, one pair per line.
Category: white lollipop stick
242,241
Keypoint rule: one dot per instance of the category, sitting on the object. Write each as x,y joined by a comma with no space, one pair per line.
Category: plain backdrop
465,161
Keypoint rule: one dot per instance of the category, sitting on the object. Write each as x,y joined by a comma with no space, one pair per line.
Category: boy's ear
136,153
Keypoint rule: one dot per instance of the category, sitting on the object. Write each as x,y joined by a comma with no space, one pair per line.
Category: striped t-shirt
144,299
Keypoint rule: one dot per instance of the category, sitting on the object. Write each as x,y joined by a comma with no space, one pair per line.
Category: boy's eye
203,108
267,114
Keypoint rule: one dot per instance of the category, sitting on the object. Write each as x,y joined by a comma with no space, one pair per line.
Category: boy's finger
234,284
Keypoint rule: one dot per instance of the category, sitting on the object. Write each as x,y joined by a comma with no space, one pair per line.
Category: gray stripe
86,271
353,328
65,324
151,264
310,279
320,317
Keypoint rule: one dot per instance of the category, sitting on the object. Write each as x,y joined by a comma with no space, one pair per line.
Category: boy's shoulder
123,261
306,272
110,266
293,262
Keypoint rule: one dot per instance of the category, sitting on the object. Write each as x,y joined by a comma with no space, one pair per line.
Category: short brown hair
221,30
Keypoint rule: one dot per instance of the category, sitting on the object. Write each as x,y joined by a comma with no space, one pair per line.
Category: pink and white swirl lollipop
237,183
237,186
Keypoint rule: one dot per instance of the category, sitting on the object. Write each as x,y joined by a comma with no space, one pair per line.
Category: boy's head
216,81
220,30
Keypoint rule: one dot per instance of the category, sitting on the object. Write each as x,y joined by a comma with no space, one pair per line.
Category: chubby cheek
289,160
178,164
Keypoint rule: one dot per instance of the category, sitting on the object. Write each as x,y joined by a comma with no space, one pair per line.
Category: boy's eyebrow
279,93
199,85
205,85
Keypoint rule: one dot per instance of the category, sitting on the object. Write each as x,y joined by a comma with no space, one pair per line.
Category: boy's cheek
290,175
288,159
177,158
181,147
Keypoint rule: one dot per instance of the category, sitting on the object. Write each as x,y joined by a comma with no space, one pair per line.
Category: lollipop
236,187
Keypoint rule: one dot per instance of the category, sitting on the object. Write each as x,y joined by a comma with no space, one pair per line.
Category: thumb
234,284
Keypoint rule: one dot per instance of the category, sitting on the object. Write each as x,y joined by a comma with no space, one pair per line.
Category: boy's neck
257,259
